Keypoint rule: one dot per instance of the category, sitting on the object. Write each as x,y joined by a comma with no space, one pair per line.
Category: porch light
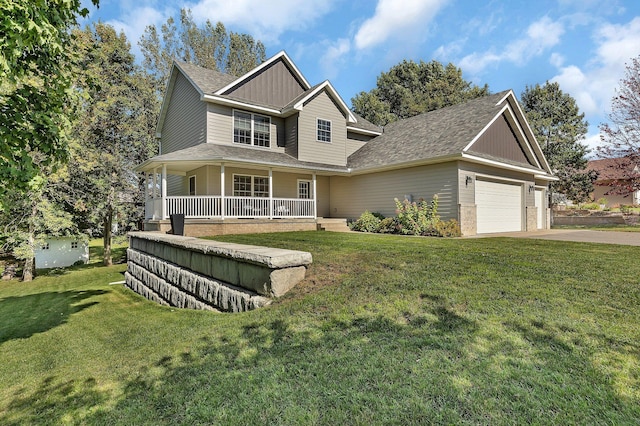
468,180
531,188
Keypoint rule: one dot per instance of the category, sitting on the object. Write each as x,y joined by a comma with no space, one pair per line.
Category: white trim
363,131
485,177
253,191
195,186
253,114
547,178
509,93
163,196
474,159
330,130
222,186
310,182
282,54
541,154
326,84
506,108
244,105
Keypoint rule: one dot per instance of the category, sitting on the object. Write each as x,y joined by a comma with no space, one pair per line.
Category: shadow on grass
24,316
423,368
45,405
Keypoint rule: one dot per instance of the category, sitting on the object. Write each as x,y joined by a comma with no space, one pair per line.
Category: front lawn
384,330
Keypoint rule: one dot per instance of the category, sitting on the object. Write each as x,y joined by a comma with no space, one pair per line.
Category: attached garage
499,206
540,205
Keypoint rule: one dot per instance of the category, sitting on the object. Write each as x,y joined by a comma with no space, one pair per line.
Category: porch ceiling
179,162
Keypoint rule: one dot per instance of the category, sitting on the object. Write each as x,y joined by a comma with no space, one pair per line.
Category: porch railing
203,207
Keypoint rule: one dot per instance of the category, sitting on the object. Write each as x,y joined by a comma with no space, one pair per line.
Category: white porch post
222,200
154,192
315,198
164,191
146,194
270,193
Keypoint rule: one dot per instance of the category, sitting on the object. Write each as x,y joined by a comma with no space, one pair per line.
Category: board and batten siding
376,191
185,120
291,135
309,148
274,85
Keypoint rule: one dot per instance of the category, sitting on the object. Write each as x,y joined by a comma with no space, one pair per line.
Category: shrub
367,222
625,209
389,225
447,229
591,206
417,218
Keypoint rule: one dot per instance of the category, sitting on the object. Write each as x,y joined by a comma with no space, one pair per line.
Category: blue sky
581,44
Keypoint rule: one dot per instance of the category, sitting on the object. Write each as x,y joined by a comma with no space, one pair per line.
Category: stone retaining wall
188,272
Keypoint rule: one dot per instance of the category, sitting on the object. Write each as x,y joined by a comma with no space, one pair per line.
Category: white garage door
498,207
540,206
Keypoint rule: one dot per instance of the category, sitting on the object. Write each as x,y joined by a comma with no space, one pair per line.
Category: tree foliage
114,133
621,138
560,128
209,46
35,83
411,88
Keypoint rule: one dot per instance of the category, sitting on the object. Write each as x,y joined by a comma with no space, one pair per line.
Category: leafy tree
559,127
34,87
115,132
32,215
411,88
621,138
209,46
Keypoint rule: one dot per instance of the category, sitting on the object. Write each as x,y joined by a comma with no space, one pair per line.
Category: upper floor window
324,130
251,129
74,244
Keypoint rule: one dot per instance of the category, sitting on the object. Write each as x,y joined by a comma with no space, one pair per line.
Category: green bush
447,229
417,218
389,225
591,206
367,222
625,209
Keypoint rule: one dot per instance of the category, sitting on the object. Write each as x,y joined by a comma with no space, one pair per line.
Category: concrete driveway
578,235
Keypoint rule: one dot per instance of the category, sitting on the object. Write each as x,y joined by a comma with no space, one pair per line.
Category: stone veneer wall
188,272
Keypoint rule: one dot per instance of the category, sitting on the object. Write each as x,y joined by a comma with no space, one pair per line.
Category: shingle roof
208,81
614,168
214,152
440,133
365,124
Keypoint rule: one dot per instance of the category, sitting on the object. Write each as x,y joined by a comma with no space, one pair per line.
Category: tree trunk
106,237
28,271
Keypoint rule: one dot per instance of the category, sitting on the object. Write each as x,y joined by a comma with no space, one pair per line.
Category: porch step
333,225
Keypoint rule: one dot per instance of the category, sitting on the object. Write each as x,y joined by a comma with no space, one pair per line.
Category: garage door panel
498,207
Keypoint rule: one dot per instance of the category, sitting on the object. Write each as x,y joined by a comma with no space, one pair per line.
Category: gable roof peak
282,55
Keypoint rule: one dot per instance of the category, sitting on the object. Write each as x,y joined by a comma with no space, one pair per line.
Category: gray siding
351,196
499,140
309,149
353,145
176,185
291,135
220,128
274,85
185,121
467,192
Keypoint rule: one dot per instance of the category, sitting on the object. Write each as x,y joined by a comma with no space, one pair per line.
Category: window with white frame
250,186
304,189
251,129
324,130
74,244
192,185
46,246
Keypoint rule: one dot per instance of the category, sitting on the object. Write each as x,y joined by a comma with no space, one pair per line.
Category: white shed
61,252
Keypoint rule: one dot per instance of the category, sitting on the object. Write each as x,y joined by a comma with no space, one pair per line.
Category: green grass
384,330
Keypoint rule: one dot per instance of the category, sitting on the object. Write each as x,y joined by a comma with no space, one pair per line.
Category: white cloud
556,59
594,84
540,36
397,19
265,20
333,57
134,22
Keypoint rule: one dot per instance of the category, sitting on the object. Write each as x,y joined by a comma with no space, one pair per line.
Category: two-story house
267,151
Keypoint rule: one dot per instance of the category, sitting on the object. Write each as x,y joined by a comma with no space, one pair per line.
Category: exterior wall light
468,180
